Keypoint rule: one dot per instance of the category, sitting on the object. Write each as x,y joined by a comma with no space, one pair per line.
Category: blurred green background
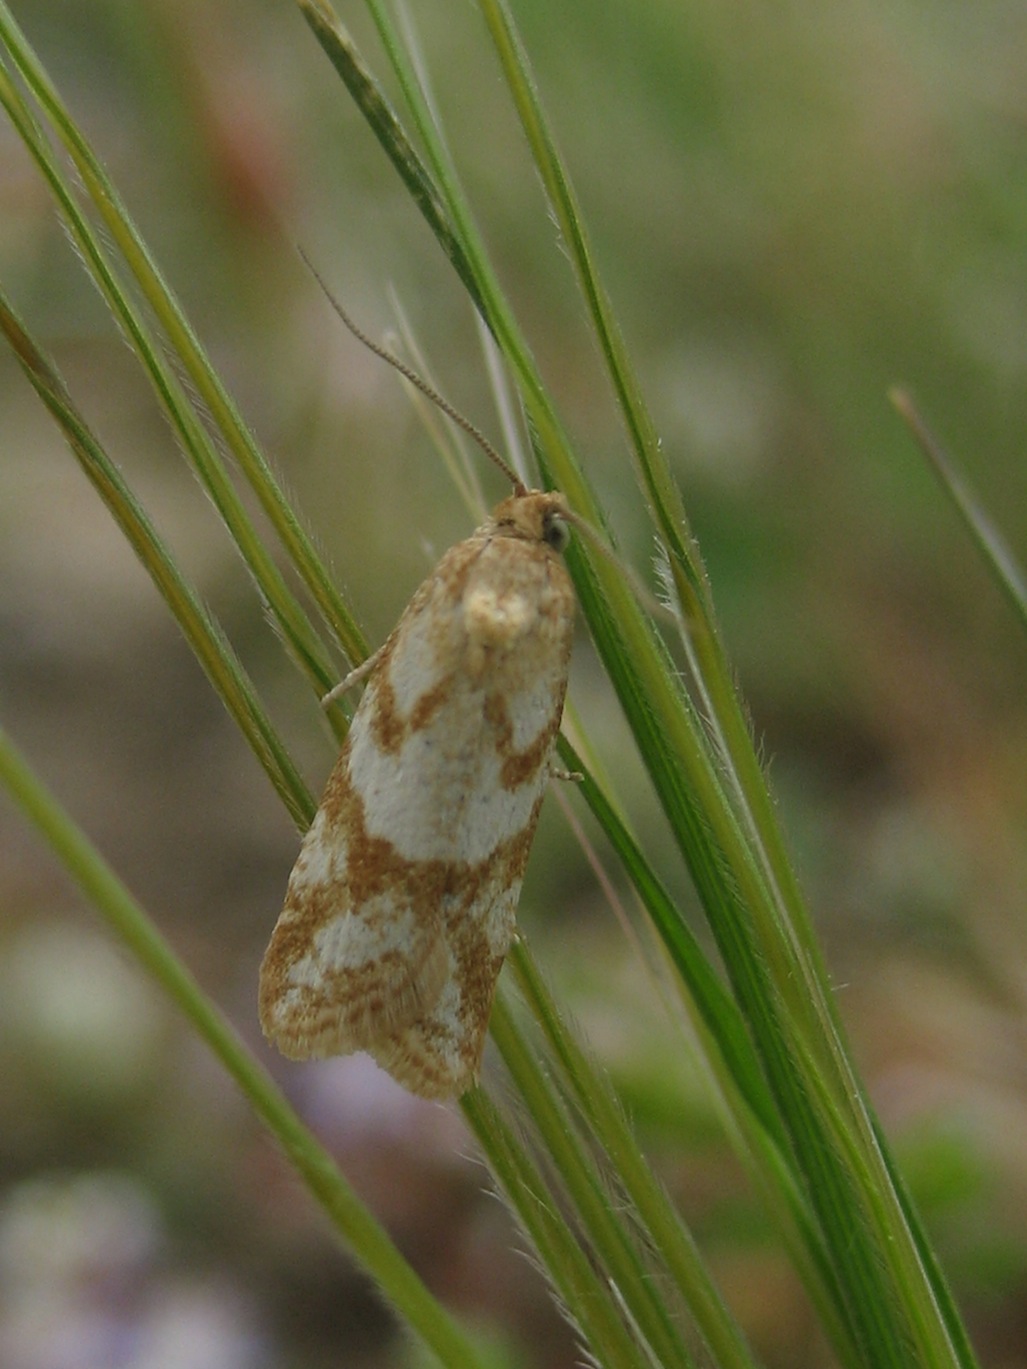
794,207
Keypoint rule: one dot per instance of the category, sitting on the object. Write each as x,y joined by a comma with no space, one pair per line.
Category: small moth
401,907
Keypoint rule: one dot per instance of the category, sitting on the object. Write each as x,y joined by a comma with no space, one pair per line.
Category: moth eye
555,532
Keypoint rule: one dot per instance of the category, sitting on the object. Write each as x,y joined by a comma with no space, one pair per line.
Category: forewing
350,961
439,1055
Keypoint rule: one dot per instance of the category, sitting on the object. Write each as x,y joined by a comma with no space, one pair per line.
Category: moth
401,907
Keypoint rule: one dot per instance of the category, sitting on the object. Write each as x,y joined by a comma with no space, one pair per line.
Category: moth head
534,516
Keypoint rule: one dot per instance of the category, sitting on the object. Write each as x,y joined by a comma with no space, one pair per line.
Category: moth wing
439,1055
340,974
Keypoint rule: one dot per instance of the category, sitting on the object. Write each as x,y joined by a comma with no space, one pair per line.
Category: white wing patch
401,907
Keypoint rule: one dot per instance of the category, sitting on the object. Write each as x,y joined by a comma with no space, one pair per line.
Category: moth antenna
408,373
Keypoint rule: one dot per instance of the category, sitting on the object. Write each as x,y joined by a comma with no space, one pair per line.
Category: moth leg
354,677
571,776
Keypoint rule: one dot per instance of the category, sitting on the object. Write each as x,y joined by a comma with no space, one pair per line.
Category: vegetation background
794,207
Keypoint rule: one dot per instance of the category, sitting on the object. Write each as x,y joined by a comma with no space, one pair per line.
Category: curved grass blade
362,1234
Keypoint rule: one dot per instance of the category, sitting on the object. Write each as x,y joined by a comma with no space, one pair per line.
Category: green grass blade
666,1236
945,1301
184,343
719,704
374,105
598,1211
714,1005
997,553
203,634
583,1294
700,633
361,1232
195,441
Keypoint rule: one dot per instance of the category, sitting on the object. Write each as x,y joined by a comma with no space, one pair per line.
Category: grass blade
203,634
609,1241
997,553
581,1291
361,1232
217,403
